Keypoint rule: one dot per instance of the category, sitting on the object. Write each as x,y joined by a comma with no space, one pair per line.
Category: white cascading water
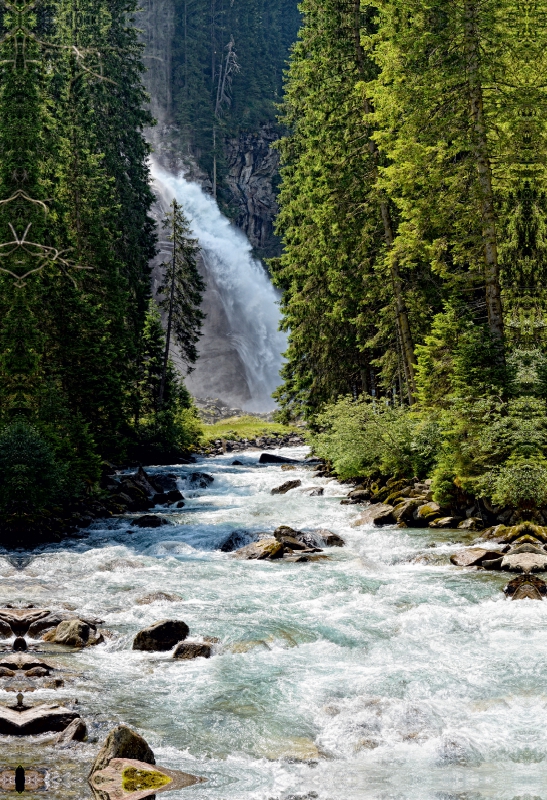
249,300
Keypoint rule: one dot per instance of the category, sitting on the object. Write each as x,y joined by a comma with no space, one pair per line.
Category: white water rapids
381,672
249,301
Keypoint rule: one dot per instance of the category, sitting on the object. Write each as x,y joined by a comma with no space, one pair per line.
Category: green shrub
365,438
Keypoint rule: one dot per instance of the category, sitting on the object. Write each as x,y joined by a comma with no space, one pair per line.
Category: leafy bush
365,438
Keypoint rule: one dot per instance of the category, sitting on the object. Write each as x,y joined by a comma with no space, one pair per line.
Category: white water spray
249,301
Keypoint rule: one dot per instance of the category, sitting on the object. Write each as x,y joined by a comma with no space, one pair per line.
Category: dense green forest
413,216
228,64
81,344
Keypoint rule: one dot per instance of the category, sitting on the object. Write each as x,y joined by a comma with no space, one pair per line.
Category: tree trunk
492,277
170,312
409,358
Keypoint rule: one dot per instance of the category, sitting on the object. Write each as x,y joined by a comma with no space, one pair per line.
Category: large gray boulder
377,514
163,635
122,742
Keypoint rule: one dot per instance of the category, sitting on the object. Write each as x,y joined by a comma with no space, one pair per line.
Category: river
381,672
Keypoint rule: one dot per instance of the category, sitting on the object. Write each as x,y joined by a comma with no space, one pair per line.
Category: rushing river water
382,672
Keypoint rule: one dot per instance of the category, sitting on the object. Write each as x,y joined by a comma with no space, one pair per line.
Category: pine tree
182,291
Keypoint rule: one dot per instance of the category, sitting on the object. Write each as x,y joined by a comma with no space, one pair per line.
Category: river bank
382,670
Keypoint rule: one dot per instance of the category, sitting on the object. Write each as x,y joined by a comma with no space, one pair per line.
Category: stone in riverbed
158,597
265,549
445,522
150,521
122,742
294,544
271,458
524,562
21,721
329,538
163,635
526,587
189,650
73,633
473,556
199,480
471,524
235,541
377,514
286,487
427,513
76,732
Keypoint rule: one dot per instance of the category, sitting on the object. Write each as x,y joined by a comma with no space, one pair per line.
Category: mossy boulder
137,780
263,550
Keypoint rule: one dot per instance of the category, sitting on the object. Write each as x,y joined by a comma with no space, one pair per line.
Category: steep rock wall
253,168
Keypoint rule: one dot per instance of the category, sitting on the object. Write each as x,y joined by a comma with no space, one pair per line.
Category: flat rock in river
150,521
34,720
265,549
286,487
158,597
473,556
524,562
377,514
271,458
161,636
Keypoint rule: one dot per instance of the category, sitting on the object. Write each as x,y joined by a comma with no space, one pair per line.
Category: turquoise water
382,672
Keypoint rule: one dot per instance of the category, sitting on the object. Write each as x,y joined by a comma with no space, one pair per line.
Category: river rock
76,732
286,487
471,524
163,635
19,620
188,650
53,619
122,742
329,538
359,495
23,721
524,562
427,513
37,672
271,458
199,480
73,633
314,491
265,549
158,597
445,522
5,672
404,511
144,482
165,482
473,556
135,780
150,521
378,514
235,541
526,587
291,543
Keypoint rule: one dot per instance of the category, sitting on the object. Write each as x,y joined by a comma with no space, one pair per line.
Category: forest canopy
413,217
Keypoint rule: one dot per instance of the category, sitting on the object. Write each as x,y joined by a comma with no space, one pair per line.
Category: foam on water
382,672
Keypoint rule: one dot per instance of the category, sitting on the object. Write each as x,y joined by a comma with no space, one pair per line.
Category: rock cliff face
252,172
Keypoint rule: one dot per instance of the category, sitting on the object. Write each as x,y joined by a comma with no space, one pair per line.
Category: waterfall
241,347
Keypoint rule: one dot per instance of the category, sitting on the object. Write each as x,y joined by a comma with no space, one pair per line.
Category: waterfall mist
241,346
